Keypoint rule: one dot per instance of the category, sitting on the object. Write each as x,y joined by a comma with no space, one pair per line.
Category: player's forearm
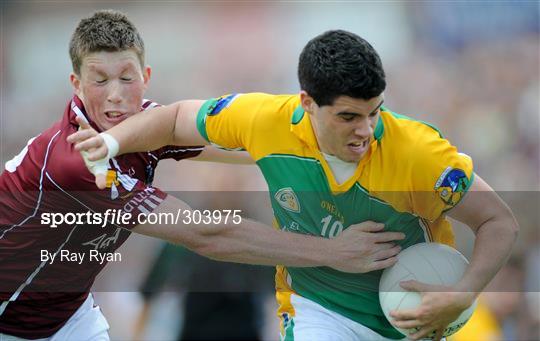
493,245
248,242
148,130
256,243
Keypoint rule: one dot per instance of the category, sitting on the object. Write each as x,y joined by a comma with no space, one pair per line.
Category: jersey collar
301,127
76,109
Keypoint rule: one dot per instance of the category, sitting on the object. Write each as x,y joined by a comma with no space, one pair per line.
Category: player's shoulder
406,128
65,165
408,137
420,147
257,105
48,158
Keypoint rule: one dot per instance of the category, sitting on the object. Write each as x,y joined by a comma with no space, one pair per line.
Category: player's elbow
513,225
510,221
508,225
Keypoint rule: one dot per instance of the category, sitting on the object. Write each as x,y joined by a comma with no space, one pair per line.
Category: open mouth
115,115
359,147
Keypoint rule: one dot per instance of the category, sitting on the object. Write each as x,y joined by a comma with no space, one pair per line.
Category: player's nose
115,93
363,129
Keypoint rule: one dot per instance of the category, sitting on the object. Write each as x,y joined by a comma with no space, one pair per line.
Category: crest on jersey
112,182
287,199
452,185
222,103
120,184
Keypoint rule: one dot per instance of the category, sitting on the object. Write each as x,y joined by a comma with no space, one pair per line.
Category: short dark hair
339,63
105,30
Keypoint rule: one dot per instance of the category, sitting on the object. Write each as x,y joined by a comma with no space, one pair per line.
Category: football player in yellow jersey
334,156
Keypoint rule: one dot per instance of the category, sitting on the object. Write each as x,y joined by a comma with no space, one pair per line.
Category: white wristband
101,166
112,145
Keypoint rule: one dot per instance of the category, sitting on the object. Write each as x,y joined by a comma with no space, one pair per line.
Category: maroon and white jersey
38,296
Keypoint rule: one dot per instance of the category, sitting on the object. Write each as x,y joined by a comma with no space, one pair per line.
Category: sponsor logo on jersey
222,103
112,178
144,202
112,182
104,241
452,185
288,200
119,183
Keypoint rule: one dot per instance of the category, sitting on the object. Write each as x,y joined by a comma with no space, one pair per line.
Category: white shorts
313,322
87,324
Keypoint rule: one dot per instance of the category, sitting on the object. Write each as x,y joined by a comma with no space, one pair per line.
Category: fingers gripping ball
430,263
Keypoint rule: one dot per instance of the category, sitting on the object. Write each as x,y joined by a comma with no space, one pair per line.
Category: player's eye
101,81
126,79
347,117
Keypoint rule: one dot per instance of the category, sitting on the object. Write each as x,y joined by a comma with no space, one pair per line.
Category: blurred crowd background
470,68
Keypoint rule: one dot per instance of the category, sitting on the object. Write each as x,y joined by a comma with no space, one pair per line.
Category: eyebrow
103,73
356,114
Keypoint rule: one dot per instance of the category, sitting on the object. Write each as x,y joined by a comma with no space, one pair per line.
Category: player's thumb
415,286
101,181
82,123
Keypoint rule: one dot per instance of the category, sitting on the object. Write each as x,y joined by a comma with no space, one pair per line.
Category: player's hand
440,306
86,142
365,247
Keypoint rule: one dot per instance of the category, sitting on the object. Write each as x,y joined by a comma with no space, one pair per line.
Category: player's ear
147,72
75,82
307,102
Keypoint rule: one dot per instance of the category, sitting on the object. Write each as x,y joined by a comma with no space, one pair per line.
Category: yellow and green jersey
409,177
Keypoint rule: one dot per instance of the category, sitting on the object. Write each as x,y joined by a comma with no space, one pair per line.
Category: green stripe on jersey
201,117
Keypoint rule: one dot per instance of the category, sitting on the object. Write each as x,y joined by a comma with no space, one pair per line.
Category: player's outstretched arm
360,248
174,124
214,154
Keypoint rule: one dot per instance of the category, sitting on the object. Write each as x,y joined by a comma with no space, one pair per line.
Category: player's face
345,128
111,86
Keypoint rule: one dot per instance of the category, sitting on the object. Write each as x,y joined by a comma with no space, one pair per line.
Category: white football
430,263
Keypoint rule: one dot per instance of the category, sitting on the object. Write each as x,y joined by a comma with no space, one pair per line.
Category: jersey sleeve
172,152
229,121
441,176
178,153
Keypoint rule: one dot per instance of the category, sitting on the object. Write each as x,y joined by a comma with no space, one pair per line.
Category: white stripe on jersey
143,209
151,204
425,228
127,181
78,111
153,156
17,292
183,150
156,199
40,189
77,200
151,105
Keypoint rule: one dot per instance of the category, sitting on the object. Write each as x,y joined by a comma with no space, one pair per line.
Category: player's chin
351,157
